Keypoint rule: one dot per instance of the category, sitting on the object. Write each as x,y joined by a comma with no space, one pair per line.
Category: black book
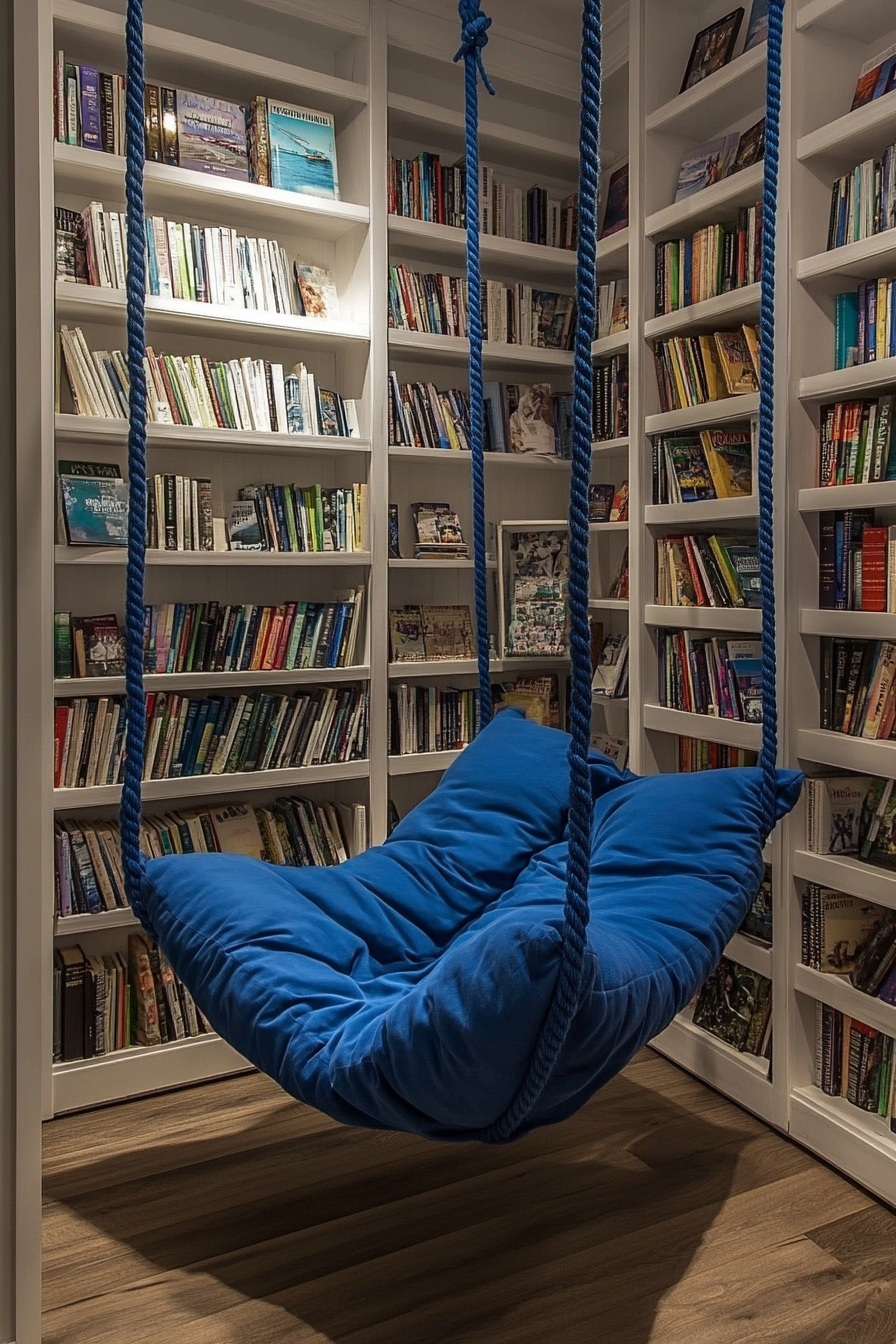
876,955
72,966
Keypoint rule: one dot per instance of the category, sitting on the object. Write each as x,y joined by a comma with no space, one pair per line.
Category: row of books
250,394
610,405
856,562
183,637
735,1006
858,687
863,202
696,754
693,370
210,735
608,503
296,518
715,260
431,718
708,675
864,326
846,935
703,570
854,1061
430,634
109,1002
857,443
272,143
514,314
694,466
185,261
296,832
851,815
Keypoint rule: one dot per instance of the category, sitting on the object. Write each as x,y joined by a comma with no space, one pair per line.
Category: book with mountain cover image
302,150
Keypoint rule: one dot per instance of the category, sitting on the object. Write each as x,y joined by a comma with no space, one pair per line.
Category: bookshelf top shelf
857,135
709,206
739,305
184,191
862,20
729,95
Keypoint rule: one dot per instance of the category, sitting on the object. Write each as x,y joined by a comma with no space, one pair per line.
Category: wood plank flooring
662,1214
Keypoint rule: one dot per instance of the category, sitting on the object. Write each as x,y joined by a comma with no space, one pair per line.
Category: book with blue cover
302,148
94,510
211,135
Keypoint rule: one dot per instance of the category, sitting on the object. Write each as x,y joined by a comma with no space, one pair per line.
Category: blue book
91,127
846,327
302,150
152,261
177,767
331,658
94,510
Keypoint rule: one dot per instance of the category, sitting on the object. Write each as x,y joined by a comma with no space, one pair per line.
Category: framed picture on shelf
533,577
713,49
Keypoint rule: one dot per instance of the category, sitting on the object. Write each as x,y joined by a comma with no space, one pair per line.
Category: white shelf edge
747,952
703,511
850,753
422,763
736,305
841,138
747,619
843,383
726,732
138,1070
837,992
845,873
819,499
74,428
188,681
726,411
116,556
453,348
711,202
850,624
209,786
716,87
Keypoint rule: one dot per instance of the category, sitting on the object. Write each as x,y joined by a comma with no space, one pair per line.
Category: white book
279,397
239,396
163,260
119,248
177,288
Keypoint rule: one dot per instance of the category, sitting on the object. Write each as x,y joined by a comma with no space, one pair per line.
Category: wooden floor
661,1213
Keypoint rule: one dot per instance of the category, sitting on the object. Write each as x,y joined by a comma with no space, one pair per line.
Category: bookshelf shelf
724,412
178,190
609,604
469,667
878,494
854,137
86,555
846,874
704,511
455,349
866,260
749,953
87,429
598,529
528,461
848,753
416,238
859,1144
743,619
721,99
846,383
90,303
211,786
848,624
723,199
71,926
612,252
428,762
211,681
837,992
446,565
128,1073
609,446
738,306
728,732
617,344
744,1078
860,19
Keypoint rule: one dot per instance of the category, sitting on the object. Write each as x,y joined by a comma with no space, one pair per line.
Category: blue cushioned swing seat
406,989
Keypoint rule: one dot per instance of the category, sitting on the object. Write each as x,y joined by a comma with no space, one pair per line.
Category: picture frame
713,48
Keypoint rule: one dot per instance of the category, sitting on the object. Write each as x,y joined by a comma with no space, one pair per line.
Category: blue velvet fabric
405,989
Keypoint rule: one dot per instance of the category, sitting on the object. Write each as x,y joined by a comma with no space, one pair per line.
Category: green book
62,644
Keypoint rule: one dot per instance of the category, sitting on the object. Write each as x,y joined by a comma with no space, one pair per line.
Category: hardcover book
302,150
600,502
529,412
735,361
317,289
706,165
751,148
616,209
211,135
729,456
94,510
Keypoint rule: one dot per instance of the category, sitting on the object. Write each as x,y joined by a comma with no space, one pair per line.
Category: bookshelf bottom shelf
859,1145
130,1073
742,1078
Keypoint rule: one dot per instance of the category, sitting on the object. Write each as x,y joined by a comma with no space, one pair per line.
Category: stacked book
430,718
707,675
295,832
431,634
715,260
856,442
858,687
694,370
863,202
708,571
437,533
515,314
856,562
735,1006
250,394
852,815
854,1061
693,466
210,735
695,754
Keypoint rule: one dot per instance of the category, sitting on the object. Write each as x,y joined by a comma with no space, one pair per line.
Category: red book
59,728
874,568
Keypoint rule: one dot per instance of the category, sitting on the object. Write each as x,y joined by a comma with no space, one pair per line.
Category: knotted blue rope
766,450
474,36
568,992
133,861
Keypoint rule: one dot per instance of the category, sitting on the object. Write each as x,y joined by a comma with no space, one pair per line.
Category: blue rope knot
473,37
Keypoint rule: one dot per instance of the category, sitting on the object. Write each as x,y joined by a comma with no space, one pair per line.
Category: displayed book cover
237,832
876,77
878,824
706,165
317,290
728,1002
688,461
529,412
743,553
600,502
746,659
406,635
729,457
616,209
437,528
712,49
302,150
751,148
614,747
619,509
842,925
735,361
533,695
103,645
839,812
94,510
211,135
244,528
328,413
447,633
758,920
757,29
611,674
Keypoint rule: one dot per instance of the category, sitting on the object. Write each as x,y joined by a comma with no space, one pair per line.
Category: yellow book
714,380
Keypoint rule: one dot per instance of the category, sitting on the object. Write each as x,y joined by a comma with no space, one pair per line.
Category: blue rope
474,36
568,992
133,861
766,452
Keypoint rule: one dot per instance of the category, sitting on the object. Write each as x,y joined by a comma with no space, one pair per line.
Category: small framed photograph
713,48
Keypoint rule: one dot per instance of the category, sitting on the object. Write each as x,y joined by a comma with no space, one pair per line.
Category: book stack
693,370
858,687
431,634
610,412
854,1061
715,260
430,718
735,1006
856,442
708,571
610,680
250,394
515,314
695,754
420,416
271,143
437,533
692,466
708,675
856,562
863,202
295,832
210,735
864,329
106,1003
